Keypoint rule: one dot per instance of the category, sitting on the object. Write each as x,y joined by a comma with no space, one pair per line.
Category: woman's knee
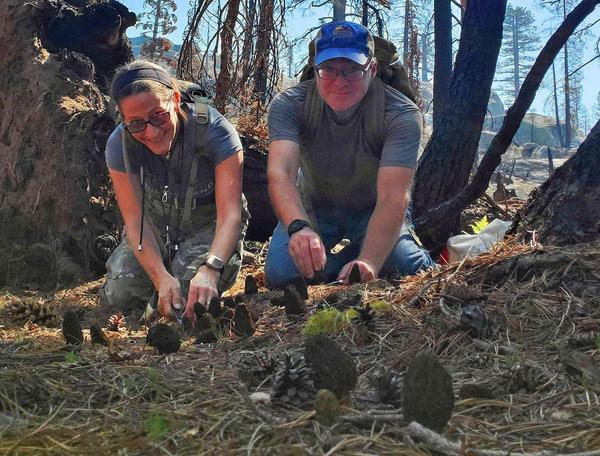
126,293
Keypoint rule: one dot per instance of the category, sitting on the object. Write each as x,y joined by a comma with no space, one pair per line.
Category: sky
300,22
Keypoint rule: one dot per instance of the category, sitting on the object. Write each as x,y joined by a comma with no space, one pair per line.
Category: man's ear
374,66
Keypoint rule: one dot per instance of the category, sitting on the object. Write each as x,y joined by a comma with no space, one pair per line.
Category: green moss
328,321
381,307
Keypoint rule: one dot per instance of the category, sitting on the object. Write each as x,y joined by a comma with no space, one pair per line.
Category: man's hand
367,271
169,295
203,287
308,252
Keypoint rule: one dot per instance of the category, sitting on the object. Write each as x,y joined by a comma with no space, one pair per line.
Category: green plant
156,382
71,357
479,224
598,341
156,425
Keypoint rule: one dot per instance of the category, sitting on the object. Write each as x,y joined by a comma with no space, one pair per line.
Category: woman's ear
177,97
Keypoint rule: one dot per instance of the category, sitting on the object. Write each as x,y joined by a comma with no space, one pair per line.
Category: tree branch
585,64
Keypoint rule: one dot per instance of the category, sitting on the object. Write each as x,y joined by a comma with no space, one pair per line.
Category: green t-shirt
337,167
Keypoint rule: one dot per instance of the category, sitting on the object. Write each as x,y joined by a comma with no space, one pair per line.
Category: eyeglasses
156,120
352,74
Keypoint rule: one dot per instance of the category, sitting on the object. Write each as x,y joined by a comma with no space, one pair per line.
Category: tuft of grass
328,321
156,425
71,357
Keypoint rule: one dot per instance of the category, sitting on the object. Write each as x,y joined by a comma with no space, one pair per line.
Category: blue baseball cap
343,39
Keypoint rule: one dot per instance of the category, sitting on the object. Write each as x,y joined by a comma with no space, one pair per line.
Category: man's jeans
333,225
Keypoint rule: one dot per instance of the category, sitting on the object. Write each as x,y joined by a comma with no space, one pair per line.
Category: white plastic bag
472,245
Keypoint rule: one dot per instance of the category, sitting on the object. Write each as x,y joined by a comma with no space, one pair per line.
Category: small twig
443,445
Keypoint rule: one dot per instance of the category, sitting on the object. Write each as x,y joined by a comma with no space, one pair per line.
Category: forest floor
533,367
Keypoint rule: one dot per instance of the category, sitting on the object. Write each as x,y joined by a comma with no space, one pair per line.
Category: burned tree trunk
442,69
564,210
225,79
263,47
447,160
434,223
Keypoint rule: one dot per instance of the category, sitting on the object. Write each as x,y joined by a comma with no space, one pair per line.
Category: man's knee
278,275
407,258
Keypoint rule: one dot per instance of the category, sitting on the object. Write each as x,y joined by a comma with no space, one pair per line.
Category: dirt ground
527,384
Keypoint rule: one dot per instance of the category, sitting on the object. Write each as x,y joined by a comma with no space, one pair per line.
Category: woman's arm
228,196
169,291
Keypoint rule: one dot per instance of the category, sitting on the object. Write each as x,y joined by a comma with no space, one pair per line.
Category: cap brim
345,53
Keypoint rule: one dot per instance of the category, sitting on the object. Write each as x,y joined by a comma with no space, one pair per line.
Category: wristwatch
214,262
297,225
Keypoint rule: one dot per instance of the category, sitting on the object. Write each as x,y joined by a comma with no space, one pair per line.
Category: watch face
214,262
297,225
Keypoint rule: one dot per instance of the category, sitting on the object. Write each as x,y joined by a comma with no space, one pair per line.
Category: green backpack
390,72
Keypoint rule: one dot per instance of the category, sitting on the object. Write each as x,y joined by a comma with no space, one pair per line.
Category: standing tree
448,157
442,69
596,107
579,182
225,78
556,111
519,42
424,19
161,21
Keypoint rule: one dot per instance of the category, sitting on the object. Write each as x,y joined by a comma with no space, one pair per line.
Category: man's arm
393,183
305,246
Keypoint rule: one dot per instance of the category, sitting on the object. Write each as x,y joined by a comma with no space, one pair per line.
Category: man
349,189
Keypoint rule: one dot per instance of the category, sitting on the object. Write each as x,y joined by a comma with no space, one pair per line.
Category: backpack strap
195,141
373,113
311,113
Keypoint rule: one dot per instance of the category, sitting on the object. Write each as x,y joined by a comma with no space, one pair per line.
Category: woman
177,176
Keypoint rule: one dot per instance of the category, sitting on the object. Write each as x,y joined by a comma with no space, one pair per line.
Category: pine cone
257,368
115,322
292,383
35,311
104,245
365,314
97,336
388,386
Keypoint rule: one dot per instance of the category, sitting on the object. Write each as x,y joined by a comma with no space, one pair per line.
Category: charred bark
435,220
564,210
448,157
442,68
96,30
263,47
225,79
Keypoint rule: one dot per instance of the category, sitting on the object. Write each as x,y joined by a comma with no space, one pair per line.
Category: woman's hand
169,295
203,287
